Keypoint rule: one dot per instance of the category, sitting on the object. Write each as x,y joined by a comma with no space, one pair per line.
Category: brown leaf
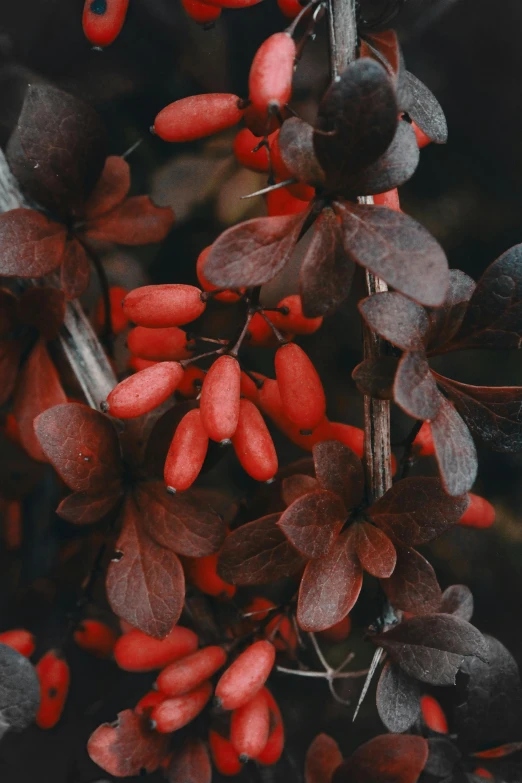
145,582
127,748
296,145
414,388
395,166
454,449
8,311
399,320
111,188
340,471
398,698
374,377
137,221
297,485
390,758
413,586
76,271
422,106
445,321
190,763
322,759
374,550
313,522
31,245
80,508
457,600
253,252
43,308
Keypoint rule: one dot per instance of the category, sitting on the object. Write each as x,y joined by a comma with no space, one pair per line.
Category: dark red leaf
296,145
76,270
322,759
383,47
137,221
182,522
295,486
445,321
327,271
57,150
375,550
417,510
432,648
330,586
414,388
127,748
422,106
9,359
258,553
398,699
8,311
31,245
396,248
111,188
38,389
413,586
145,582
43,308
80,508
253,252
190,763
454,449
390,758
457,600
374,377
82,446
399,320
313,522
340,471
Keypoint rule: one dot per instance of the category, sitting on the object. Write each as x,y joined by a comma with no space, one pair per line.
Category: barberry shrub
197,514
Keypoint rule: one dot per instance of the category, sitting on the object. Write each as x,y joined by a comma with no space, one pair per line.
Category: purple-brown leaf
374,550
127,748
445,321
399,320
457,600
80,508
424,109
190,763
322,759
76,270
414,388
375,377
296,145
339,470
413,586
390,758
398,699
297,485
454,449
313,522
31,245
137,221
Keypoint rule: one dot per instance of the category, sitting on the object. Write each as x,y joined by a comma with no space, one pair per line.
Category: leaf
190,763
313,522
82,446
374,550
493,414
398,699
297,485
253,252
454,449
457,600
38,389
80,508
494,315
340,471
394,758
424,109
374,377
8,311
258,553
322,759
443,756
19,691
43,308
31,245
9,360
326,274
330,586
137,221
385,48
489,709
416,510
76,271
432,648
111,188
295,142
414,388
181,522
402,322
127,748
445,321
396,248
145,583
57,150
413,586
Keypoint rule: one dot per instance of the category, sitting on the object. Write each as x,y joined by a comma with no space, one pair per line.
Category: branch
80,344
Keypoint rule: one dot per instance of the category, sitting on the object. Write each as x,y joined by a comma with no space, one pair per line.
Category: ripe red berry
202,573
119,320
292,318
273,749
422,139
433,715
95,637
248,387
184,675
483,773
234,3
147,703
203,13
253,443
198,116
270,80
187,452
103,20
282,202
163,344
54,676
145,390
260,334
249,727
260,123
338,632
137,652
300,387
269,401
224,754
245,145
20,640
423,443
191,382
389,199
164,305
206,285
135,363
290,8
353,437
174,713
279,630
480,513
246,675
219,402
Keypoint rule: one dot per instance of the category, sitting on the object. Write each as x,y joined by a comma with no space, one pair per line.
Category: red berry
119,320
279,630
145,390
273,749
433,715
338,632
201,12
483,773
249,727
187,452
191,382
260,334
422,139
224,754
300,387
103,20
253,443
424,441
20,640
54,676
290,8
137,652
248,387
164,305
135,363
269,401
202,573
282,202
173,714
389,199
259,122
270,80
206,285
246,675
353,437
184,675
292,318
219,402
147,703
245,145
163,344
480,513
95,637
198,116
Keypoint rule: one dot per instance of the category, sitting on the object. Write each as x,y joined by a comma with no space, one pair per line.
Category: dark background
467,193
